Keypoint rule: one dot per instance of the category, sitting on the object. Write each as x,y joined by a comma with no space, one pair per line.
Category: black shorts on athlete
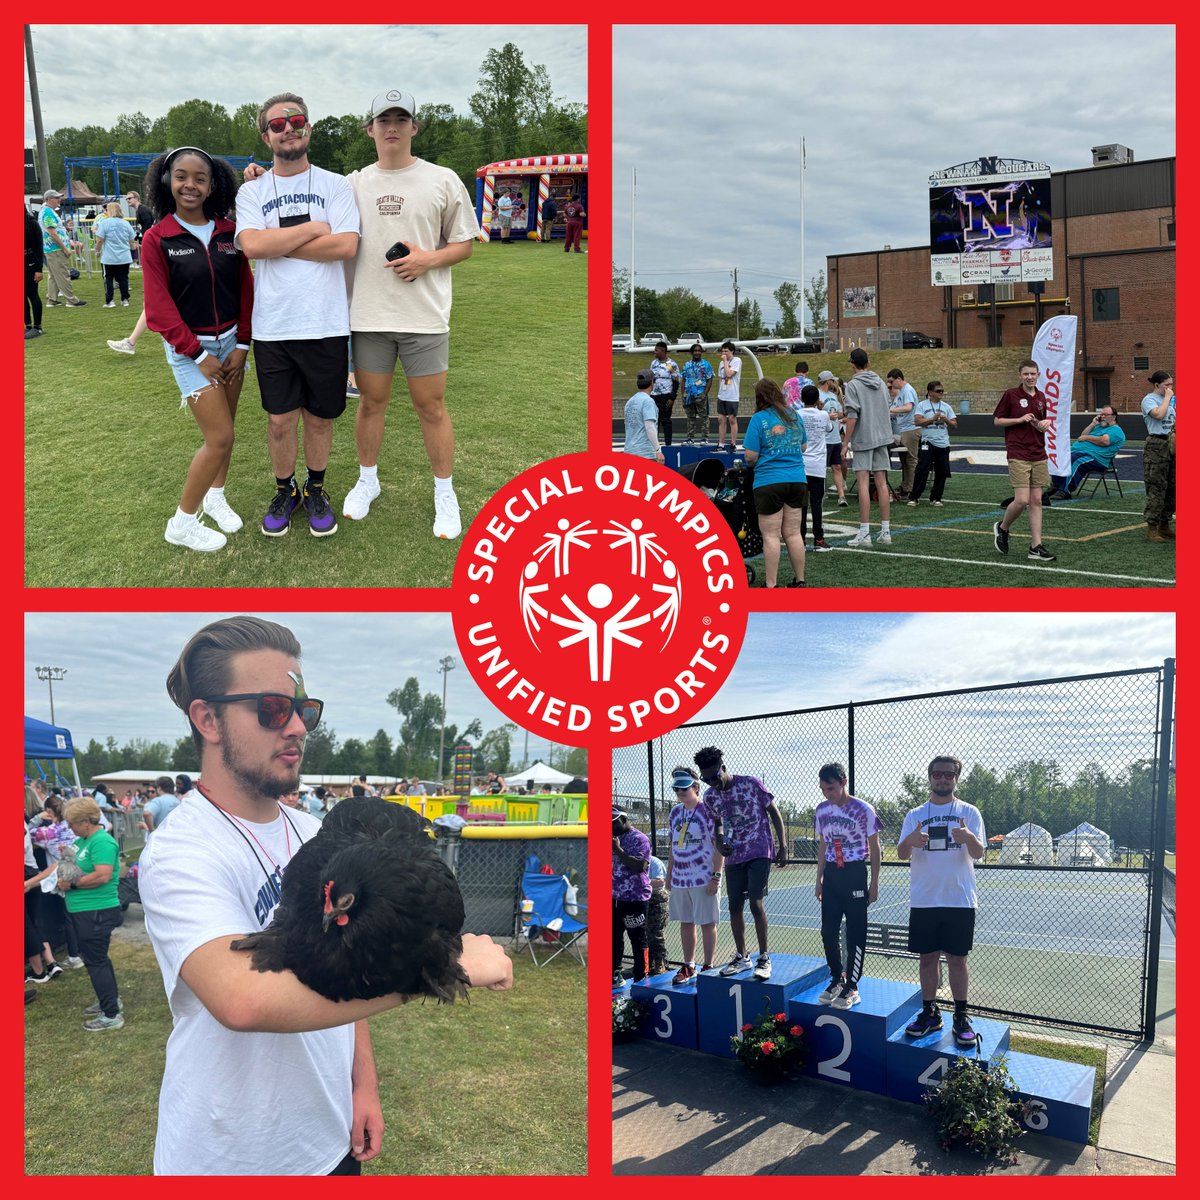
307,373
941,930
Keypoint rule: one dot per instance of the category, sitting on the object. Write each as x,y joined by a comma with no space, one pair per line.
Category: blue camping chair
542,919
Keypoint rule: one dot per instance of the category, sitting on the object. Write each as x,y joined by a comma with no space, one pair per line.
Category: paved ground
677,1112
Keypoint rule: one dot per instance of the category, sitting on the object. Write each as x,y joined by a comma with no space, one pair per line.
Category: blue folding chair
542,919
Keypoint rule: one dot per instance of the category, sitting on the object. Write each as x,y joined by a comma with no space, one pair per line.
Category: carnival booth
530,182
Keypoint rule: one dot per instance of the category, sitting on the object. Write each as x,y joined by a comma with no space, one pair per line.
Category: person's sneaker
762,968
352,393
110,304
937,504
94,1010
797,583
842,502
358,499
688,442
847,997
32,976
925,1022
618,979
685,974
194,535
821,546
218,508
122,346
1000,537
73,962
53,971
76,303
53,303
736,965
883,538
860,539
447,523
279,512
33,332
831,990
964,1035
321,521
124,303
101,1022
912,503
1041,554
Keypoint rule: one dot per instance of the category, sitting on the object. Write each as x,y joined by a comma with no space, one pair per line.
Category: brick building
1114,268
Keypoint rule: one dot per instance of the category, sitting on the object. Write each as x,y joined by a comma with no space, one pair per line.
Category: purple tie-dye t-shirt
850,824
742,808
691,846
627,884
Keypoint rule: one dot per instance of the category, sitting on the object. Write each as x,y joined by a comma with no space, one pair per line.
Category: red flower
781,1017
747,1028
767,1047
797,1030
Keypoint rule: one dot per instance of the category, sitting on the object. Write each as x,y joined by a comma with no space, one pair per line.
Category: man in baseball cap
630,895
641,420
56,248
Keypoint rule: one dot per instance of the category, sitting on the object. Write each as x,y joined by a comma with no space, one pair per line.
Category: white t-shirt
426,207
816,428
730,390
236,1103
295,299
943,878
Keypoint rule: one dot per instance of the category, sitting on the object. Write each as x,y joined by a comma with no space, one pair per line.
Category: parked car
804,347
621,340
652,339
912,340
690,339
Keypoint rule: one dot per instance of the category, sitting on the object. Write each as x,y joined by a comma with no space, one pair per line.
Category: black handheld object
399,250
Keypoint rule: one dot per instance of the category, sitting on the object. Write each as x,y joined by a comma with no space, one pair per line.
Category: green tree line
512,114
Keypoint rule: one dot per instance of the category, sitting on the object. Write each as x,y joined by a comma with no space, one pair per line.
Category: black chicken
367,908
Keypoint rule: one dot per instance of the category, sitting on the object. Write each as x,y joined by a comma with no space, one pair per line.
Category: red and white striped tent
546,168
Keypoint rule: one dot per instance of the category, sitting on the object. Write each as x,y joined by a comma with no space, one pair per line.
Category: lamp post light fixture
445,666
49,675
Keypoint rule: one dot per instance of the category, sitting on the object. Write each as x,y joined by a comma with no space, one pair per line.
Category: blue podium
672,1016
724,1003
915,1064
848,1046
1060,1094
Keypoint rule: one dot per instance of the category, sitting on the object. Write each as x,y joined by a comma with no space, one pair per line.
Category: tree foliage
817,299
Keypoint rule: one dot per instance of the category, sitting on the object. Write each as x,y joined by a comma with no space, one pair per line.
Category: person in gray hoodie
869,431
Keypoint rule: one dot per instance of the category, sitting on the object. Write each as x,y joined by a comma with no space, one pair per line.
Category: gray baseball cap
392,98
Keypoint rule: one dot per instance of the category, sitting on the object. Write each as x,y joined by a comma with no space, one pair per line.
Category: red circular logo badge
599,598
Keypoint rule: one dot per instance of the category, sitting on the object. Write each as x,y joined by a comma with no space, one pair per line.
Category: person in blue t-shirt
156,812
933,418
697,374
774,446
1093,454
641,421
114,236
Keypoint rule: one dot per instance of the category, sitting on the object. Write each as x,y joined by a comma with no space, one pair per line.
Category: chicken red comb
328,906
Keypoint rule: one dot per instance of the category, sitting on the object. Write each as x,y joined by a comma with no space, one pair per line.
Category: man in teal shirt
57,247
1094,453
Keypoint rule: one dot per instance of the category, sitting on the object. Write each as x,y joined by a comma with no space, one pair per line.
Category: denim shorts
189,376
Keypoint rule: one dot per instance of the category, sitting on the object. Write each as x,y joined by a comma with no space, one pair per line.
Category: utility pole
49,675
36,105
737,314
445,665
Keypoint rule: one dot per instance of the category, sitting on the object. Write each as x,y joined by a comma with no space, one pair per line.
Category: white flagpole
632,256
802,169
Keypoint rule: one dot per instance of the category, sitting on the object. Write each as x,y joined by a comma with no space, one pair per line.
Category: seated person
1093,454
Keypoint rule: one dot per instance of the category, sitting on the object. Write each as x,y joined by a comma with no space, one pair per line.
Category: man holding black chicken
237,1097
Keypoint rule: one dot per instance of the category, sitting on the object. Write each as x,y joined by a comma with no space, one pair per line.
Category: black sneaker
1001,538
928,1020
53,971
797,583
321,521
1041,554
964,1035
32,976
279,512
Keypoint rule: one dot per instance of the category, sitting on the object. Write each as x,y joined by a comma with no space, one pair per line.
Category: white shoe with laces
883,538
860,539
193,535
218,508
447,522
122,346
358,499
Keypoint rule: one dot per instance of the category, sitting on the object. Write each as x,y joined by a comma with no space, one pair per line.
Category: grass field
107,445
494,1087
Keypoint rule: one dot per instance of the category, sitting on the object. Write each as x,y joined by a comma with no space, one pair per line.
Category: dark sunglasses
275,710
278,124
939,390
942,775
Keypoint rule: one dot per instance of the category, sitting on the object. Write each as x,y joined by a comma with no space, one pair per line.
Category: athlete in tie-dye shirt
694,872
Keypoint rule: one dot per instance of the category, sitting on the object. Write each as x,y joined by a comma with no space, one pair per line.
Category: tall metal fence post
650,793
850,744
1161,788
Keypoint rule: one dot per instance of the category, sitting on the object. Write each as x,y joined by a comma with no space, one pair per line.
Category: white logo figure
640,544
559,544
600,637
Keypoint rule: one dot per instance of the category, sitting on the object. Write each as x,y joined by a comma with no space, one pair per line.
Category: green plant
772,1043
977,1106
627,1014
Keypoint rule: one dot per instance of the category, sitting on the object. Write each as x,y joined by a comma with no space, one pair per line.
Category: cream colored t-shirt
426,207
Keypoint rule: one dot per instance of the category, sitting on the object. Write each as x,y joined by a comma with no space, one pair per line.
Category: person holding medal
693,872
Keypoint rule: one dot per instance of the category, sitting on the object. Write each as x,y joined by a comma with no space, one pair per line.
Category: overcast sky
712,119
91,74
117,666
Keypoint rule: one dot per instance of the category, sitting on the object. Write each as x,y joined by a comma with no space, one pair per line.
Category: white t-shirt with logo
236,1103
295,299
943,878
732,389
426,207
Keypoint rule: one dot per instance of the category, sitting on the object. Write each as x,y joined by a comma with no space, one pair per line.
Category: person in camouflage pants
1158,457
656,917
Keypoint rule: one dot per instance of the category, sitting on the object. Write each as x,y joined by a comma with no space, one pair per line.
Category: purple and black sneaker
321,521
279,512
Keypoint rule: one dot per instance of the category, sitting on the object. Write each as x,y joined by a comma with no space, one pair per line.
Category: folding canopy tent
538,774
50,742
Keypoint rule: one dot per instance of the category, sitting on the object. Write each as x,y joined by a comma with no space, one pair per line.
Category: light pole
445,665
50,674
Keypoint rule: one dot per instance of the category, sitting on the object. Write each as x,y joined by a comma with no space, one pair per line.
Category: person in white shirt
729,379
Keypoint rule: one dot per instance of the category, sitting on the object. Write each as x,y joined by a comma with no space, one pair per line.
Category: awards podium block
672,1017
724,1003
1060,1092
915,1064
849,1045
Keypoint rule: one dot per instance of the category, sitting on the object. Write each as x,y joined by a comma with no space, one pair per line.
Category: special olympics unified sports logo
599,598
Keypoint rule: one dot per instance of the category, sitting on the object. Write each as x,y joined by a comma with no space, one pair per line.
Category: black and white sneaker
736,965
928,1020
762,968
848,997
831,990
1040,554
1000,536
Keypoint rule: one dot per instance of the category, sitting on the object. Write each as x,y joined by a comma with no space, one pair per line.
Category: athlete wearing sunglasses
275,710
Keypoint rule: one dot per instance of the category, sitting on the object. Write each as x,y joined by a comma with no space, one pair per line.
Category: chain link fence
1066,773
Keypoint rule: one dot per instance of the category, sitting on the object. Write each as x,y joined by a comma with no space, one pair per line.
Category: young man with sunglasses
944,838
934,419
745,814
299,223
263,1076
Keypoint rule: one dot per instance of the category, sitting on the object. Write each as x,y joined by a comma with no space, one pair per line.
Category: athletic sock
885,526
286,484
216,491
316,479
368,474
960,1008
183,518
443,485
864,529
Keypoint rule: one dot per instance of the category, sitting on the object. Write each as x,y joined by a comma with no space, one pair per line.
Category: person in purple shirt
746,813
848,830
631,896
693,872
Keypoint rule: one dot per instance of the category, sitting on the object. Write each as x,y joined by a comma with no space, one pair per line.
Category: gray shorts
419,353
878,458
694,906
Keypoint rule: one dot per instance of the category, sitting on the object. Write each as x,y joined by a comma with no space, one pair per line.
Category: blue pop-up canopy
45,741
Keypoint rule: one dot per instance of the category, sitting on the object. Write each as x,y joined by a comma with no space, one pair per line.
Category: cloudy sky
713,119
91,74
117,666
805,661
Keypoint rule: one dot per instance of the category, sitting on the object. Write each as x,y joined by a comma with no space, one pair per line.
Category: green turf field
107,445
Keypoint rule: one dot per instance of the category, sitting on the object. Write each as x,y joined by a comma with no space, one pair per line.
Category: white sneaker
358,499
124,303
762,968
832,988
110,304
883,538
218,508
736,965
75,963
860,539
847,997
193,535
446,520
123,346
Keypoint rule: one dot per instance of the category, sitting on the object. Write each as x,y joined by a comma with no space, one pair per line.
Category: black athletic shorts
746,880
307,373
948,930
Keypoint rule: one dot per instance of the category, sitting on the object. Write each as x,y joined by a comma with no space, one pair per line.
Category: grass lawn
107,445
1088,1056
494,1087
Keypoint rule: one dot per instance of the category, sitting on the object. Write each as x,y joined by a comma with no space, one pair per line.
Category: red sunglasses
278,124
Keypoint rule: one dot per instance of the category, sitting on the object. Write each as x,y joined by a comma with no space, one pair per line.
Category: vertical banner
1054,353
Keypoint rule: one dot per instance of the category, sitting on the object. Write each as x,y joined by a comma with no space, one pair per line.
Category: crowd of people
733,832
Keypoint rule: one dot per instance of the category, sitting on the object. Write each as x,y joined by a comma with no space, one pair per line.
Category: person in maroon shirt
1021,413
574,212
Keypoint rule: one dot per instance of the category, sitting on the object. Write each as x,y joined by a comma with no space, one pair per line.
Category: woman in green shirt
94,909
